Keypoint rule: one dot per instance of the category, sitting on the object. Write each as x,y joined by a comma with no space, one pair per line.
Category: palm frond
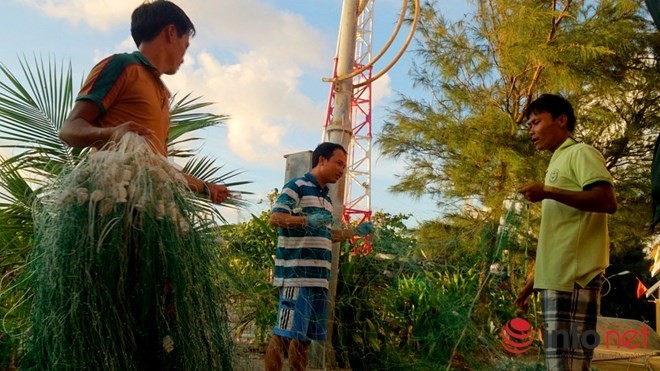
185,117
177,148
39,166
16,224
204,168
34,107
16,190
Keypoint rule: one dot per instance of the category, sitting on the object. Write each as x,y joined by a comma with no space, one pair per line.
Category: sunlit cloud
242,25
261,96
258,63
251,25
248,57
101,15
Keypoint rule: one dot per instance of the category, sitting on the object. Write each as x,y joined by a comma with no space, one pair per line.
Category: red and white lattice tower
357,195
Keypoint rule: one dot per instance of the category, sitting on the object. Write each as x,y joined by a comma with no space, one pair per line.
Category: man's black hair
325,149
555,105
150,18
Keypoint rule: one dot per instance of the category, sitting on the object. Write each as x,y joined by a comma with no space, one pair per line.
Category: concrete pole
340,131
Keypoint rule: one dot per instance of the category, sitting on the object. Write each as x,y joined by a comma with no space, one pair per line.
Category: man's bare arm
598,197
284,220
79,132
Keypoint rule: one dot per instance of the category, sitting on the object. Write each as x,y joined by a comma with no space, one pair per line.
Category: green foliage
247,253
393,235
398,307
467,143
466,139
408,309
432,311
392,314
362,288
458,241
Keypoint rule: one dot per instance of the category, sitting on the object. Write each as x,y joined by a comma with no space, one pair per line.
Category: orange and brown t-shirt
127,87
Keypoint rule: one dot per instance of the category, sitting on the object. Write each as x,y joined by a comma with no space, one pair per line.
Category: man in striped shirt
303,213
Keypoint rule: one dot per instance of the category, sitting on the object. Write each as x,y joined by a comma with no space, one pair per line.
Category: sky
261,62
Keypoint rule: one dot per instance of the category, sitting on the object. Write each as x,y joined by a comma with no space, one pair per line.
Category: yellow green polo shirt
573,245
127,87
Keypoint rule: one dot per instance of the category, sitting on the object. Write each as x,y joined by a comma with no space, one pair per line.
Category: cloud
260,94
381,89
261,65
254,61
251,25
101,15
241,25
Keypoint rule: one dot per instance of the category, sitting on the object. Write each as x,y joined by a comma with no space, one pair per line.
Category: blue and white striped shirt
303,254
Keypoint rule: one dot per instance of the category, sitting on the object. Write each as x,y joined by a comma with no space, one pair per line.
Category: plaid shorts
569,326
302,313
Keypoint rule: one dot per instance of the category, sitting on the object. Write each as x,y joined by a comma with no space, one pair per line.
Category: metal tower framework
357,196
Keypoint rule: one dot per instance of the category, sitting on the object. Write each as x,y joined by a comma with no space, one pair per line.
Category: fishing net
125,272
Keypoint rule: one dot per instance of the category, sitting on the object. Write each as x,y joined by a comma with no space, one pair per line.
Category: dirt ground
639,353
248,358
252,360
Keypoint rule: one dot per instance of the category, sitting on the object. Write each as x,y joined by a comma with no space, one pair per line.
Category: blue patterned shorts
302,313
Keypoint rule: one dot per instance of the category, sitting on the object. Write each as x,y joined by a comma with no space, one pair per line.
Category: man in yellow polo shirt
573,245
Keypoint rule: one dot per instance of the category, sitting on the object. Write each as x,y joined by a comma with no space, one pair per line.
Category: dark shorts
302,313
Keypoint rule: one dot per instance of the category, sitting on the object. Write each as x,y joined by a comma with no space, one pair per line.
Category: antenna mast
356,193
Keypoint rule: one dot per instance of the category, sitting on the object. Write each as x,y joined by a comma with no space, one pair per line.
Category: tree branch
551,35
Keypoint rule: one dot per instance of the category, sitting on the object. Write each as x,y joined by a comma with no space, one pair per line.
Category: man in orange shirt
124,92
150,295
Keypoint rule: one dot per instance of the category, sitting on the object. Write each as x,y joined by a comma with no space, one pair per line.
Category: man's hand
319,219
521,303
218,193
533,192
365,228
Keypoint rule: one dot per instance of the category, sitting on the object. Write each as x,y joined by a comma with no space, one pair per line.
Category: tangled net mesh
124,271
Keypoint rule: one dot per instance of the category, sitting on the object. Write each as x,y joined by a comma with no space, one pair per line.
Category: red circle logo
517,336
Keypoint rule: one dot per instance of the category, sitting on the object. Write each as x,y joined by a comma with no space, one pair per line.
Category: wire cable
384,49
498,246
